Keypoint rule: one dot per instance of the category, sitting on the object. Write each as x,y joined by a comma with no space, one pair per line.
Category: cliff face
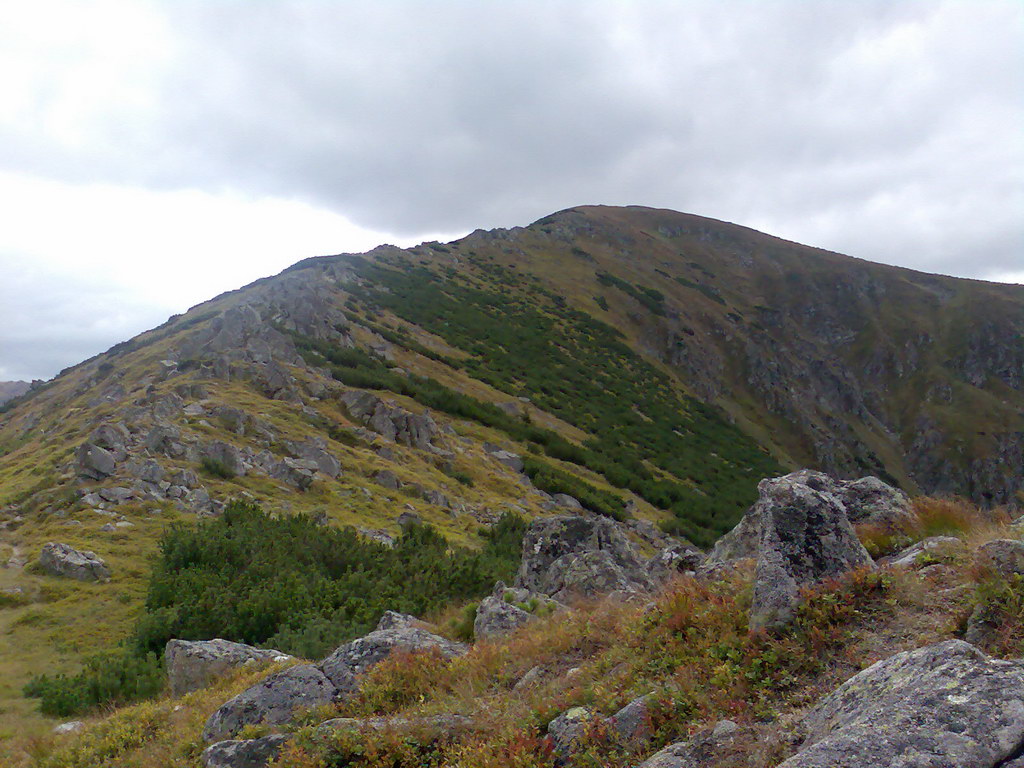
12,389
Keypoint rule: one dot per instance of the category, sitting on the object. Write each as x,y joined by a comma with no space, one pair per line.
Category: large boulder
806,537
62,560
347,663
93,462
552,544
1003,558
273,701
246,753
943,706
865,501
226,455
193,664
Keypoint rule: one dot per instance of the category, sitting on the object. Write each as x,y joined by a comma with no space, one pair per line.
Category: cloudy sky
154,154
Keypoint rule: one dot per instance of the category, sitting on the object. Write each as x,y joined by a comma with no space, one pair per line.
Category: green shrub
212,467
112,679
304,589
553,480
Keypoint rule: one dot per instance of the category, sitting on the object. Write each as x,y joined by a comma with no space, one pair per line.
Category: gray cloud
887,130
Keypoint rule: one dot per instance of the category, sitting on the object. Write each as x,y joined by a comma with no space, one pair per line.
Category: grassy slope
691,649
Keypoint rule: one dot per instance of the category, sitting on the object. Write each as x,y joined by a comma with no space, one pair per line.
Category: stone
193,664
65,561
495,616
937,547
388,479
716,747
94,462
298,473
347,663
273,701
1003,558
806,538
247,753
865,501
509,459
548,539
632,723
315,450
946,705
566,501
408,518
588,575
225,454
674,560
566,729
72,726
872,502
388,420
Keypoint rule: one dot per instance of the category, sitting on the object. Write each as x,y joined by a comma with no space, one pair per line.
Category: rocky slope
642,364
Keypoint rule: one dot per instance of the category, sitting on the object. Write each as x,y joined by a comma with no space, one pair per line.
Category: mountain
648,365
12,389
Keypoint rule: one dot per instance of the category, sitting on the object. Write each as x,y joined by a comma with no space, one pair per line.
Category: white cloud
187,147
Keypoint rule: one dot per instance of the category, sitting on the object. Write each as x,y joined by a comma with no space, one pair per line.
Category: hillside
646,365
12,389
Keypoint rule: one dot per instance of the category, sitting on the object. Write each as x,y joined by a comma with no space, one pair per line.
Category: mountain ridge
641,363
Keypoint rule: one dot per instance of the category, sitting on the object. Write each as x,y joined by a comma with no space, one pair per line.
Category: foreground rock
273,701
865,501
943,706
350,661
805,538
192,665
248,753
65,561
391,422
567,556
717,747
496,616
276,699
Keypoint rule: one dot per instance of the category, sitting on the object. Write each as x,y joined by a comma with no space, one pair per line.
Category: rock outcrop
864,501
716,747
62,560
193,664
943,706
573,555
245,753
347,663
388,420
806,537
273,701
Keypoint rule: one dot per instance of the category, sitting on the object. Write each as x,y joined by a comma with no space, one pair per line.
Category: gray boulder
552,543
943,706
717,747
273,701
805,538
388,420
298,473
496,616
567,729
675,559
590,574
347,663
225,454
247,753
632,723
65,561
315,450
933,547
867,500
94,462
444,724
388,479
192,665
1003,558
